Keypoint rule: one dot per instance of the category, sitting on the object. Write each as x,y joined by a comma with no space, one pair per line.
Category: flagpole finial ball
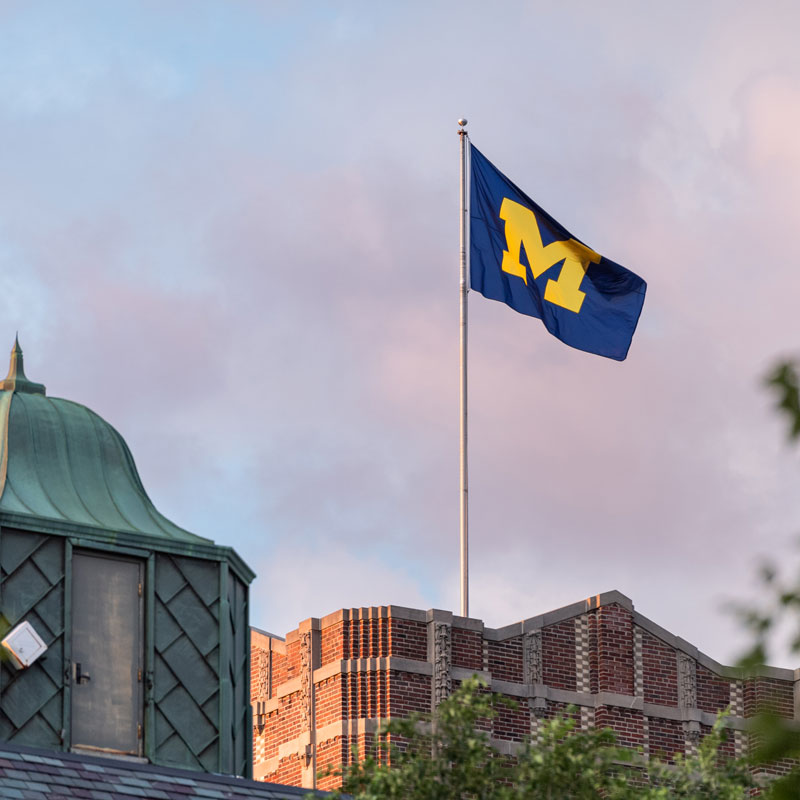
462,122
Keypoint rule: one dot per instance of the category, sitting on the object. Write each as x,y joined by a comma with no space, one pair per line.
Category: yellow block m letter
522,229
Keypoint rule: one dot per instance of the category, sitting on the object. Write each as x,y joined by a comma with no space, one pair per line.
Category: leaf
783,380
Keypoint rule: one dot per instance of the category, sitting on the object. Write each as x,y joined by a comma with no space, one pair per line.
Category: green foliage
439,757
448,756
779,610
777,740
783,379
706,775
569,763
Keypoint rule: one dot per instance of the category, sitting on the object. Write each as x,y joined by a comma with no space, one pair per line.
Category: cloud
234,234
286,592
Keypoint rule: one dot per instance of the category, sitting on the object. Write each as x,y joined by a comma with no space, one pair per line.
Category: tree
448,756
781,609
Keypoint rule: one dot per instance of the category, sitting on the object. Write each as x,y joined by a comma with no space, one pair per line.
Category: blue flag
521,256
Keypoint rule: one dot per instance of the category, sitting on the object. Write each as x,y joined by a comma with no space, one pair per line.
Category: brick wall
666,738
627,724
558,655
333,681
467,649
614,649
408,639
505,659
335,642
660,672
713,692
409,693
766,694
512,724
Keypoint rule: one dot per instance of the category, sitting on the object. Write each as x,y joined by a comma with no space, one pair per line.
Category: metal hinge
139,731
139,677
140,589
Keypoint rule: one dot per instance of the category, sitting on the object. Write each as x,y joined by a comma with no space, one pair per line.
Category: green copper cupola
62,462
146,623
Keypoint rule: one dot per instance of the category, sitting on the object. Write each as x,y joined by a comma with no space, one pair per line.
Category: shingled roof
29,773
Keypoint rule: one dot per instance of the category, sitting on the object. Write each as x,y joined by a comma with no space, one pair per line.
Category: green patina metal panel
149,659
196,692
239,671
186,679
197,660
32,579
225,688
236,753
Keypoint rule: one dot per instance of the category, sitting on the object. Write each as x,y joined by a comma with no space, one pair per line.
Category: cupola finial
15,380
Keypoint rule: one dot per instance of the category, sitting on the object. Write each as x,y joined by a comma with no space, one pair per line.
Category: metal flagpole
463,319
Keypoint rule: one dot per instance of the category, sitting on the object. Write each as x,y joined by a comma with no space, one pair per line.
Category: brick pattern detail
333,642
583,666
331,754
373,666
582,653
407,639
727,748
289,772
359,636
666,738
467,649
713,693
737,709
737,698
505,660
615,649
555,710
626,723
512,724
638,663
594,654
660,668
766,694
558,655
408,693
279,671
645,737
690,740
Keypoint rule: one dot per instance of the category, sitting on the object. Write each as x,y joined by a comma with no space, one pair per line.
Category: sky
230,227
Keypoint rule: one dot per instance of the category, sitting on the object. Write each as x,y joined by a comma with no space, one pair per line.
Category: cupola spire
16,381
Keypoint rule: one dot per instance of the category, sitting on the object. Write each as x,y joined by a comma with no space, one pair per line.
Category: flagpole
462,133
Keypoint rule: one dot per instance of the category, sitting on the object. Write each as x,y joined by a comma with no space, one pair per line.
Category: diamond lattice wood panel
32,589
186,676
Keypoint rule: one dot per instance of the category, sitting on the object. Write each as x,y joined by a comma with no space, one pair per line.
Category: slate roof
28,773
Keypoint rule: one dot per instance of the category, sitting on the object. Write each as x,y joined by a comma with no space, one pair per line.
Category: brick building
329,684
